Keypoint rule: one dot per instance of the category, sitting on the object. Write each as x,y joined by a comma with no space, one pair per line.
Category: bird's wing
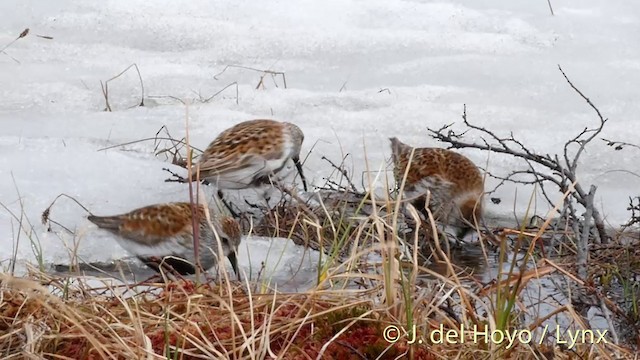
231,170
152,225
170,246
227,164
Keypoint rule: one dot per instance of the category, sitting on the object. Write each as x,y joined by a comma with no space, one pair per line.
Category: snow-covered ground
357,72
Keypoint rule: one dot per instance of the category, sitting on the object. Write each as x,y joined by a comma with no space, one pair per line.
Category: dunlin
162,237
247,154
455,183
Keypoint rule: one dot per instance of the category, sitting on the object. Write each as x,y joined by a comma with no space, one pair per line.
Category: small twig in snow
105,86
46,214
264,73
145,139
619,145
550,7
24,33
223,89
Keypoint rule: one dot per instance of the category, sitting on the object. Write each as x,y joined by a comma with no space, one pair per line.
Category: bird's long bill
234,264
296,161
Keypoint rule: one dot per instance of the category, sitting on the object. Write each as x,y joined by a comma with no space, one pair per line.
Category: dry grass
373,276
189,322
185,321
343,317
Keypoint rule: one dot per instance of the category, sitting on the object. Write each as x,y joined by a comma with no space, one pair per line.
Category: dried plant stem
550,7
264,73
105,86
24,33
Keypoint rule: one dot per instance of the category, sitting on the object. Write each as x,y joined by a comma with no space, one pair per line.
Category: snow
357,73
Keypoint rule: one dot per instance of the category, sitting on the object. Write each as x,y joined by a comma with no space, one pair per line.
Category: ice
357,73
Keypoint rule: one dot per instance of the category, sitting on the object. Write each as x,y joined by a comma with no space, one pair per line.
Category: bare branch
340,168
634,208
561,174
619,145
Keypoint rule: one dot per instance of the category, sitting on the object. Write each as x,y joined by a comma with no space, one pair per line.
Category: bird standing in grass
162,236
455,183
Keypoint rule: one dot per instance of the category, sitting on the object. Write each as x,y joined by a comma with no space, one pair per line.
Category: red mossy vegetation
182,320
290,337
186,321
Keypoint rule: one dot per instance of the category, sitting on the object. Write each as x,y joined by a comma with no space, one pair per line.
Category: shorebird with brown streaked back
455,183
248,154
162,237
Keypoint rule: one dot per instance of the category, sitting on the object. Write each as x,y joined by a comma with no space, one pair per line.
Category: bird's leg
252,205
165,267
270,181
262,207
227,205
462,232
266,194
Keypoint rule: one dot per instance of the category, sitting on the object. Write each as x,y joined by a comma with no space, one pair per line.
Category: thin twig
261,82
343,171
221,90
619,145
105,86
561,174
24,33
147,139
46,214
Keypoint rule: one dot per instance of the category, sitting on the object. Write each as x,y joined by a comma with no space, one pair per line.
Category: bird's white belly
168,247
243,178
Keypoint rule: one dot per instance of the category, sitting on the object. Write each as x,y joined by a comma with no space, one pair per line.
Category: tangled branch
561,169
